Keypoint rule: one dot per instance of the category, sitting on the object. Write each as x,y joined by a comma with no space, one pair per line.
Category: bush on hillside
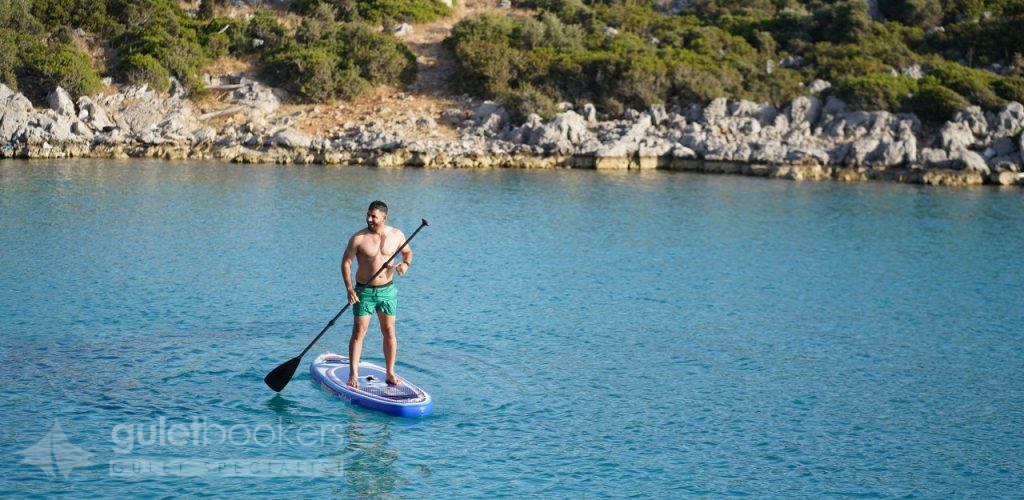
527,99
882,92
346,66
9,58
139,69
935,103
264,34
220,31
844,21
319,27
974,85
306,73
413,11
921,13
1010,88
381,59
377,11
44,67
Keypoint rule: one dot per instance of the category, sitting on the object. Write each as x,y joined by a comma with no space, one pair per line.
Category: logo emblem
54,454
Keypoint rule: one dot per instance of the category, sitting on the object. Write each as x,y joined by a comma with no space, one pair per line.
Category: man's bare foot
393,380
353,381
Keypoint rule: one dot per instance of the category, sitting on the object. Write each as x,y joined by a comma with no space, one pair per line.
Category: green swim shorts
383,298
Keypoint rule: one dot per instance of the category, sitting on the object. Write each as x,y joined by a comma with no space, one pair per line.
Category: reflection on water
370,460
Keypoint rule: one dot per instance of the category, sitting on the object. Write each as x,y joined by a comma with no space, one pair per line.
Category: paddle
280,376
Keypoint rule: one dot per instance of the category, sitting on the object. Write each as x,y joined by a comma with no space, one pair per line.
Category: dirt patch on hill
392,108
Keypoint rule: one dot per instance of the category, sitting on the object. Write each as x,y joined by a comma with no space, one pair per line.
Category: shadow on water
281,405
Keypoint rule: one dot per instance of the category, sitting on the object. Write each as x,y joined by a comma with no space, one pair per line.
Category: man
371,248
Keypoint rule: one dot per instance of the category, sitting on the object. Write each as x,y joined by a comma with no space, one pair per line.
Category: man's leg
387,330
355,348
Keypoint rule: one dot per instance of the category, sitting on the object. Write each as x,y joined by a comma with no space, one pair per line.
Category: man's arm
346,270
406,255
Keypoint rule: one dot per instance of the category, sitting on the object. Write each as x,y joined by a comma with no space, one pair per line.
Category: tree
921,13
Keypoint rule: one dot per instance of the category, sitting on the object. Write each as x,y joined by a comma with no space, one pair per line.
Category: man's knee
359,329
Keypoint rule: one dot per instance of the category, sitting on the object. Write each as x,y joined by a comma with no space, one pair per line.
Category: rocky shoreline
811,138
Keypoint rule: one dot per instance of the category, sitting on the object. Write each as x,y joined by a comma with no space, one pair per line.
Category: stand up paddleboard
405,400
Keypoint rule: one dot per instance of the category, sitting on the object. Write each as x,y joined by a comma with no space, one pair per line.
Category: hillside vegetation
930,57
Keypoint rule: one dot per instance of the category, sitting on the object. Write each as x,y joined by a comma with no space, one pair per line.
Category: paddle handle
423,222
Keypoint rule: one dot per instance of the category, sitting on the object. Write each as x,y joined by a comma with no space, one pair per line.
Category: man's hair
378,205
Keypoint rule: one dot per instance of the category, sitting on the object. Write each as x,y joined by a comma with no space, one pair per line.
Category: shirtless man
371,248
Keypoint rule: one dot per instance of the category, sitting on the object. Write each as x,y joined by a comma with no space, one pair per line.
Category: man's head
378,205
376,215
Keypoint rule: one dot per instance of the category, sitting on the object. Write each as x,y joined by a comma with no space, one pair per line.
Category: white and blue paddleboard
405,400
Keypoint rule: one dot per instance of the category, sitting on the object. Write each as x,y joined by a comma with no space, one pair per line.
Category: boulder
956,135
1008,121
590,113
716,110
93,114
804,112
290,138
15,112
974,120
60,101
1002,146
561,134
490,117
764,113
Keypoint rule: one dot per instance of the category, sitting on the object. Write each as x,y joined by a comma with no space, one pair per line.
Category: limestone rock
60,101
15,113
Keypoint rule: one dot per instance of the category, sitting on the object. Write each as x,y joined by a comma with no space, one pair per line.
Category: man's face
375,219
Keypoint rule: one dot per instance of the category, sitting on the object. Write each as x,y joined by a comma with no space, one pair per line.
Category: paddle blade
280,376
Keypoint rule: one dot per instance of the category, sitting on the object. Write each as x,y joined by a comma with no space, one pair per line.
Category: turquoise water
584,334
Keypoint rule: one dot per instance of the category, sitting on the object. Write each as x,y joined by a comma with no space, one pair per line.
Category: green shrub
9,58
482,27
264,34
921,13
570,11
138,69
233,30
844,21
525,100
381,59
349,84
483,55
877,92
44,67
779,87
934,102
980,43
548,31
319,27
1010,88
16,15
418,11
974,85
355,60
694,83
217,44
639,81
306,73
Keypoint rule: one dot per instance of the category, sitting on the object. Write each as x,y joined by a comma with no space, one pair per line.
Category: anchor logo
54,454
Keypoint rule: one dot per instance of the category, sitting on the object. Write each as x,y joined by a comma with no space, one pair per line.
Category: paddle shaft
280,376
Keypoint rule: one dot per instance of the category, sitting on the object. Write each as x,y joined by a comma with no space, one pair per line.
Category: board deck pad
407,400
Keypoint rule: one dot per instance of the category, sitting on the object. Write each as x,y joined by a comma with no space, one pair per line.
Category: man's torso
372,251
